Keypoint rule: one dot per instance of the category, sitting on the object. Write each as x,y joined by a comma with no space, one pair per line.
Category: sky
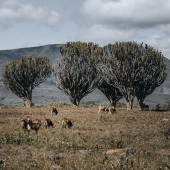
31,23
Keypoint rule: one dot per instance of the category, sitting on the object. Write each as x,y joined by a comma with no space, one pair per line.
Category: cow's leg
51,112
99,111
56,112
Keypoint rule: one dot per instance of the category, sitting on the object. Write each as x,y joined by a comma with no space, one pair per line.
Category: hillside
47,92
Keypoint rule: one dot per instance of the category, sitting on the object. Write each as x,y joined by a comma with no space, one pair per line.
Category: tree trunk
138,103
129,100
27,102
76,103
129,105
141,105
113,103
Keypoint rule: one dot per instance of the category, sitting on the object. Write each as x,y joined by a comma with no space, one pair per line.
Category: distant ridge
47,92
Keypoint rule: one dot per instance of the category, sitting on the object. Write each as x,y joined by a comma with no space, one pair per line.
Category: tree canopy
128,66
21,77
113,94
75,74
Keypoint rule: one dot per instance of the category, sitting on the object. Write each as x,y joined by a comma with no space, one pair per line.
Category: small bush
167,105
7,106
121,104
88,104
61,104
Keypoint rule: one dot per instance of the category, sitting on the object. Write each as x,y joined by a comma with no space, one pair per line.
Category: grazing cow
112,109
144,107
25,122
103,108
48,123
65,122
35,121
53,109
34,126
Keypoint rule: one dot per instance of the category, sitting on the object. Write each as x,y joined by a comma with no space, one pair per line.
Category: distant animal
65,122
103,108
53,110
48,123
34,126
35,121
25,122
112,109
144,107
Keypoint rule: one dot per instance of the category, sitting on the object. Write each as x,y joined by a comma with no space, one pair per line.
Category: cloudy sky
30,23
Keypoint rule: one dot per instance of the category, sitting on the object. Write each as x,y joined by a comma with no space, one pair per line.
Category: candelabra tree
113,94
153,76
127,65
21,77
75,74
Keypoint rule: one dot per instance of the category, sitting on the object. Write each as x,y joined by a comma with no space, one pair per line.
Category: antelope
25,122
34,126
103,108
65,122
48,123
36,121
112,109
53,109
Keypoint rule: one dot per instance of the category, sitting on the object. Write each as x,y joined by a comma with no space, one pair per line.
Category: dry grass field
124,140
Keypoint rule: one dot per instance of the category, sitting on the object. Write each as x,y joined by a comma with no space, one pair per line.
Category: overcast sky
30,23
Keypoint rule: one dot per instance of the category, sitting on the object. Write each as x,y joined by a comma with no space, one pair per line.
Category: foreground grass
125,140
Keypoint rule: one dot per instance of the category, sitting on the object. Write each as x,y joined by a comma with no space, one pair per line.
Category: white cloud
125,13
165,28
13,10
160,43
107,21
103,35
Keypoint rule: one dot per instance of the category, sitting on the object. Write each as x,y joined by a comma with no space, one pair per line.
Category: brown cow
112,109
103,108
34,126
35,121
48,123
53,109
25,122
65,122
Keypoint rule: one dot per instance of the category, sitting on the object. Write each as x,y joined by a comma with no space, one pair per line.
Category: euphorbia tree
127,65
75,74
21,77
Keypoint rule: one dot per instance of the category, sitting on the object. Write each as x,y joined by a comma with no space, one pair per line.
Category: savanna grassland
125,140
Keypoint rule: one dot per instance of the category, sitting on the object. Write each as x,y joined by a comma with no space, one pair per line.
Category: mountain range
47,92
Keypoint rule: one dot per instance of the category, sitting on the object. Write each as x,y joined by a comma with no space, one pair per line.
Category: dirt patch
115,151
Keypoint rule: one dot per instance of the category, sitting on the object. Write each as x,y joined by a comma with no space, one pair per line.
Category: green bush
61,104
167,105
88,104
7,106
121,104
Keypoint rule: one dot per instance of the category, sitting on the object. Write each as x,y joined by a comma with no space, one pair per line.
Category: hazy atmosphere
33,23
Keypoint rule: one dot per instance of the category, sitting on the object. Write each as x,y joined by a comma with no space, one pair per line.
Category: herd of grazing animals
28,124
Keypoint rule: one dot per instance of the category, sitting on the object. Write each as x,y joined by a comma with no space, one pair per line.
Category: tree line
122,69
